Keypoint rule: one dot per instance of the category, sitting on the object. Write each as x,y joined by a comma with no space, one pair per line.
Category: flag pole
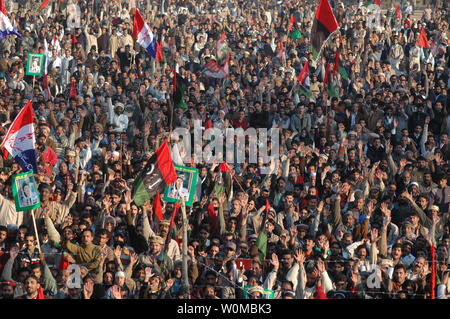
35,229
185,278
121,151
234,177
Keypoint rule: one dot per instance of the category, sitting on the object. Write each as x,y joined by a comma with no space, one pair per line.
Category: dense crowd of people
357,206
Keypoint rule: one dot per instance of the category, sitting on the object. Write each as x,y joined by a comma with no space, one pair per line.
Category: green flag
333,91
295,35
180,94
268,293
261,243
306,93
62,4
343,72
140,195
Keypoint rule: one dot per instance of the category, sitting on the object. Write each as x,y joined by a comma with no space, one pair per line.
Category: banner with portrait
35,64
183,187
25,192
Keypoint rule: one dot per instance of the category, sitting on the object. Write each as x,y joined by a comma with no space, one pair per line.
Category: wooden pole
234,177
121,151
185,278
35,229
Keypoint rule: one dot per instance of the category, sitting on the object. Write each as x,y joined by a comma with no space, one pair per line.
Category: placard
183,187
35,64
26,195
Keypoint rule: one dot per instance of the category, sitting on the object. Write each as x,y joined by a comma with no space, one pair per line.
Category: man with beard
419,172
427,184
8,288
56,211
32,289
401,209
154,257
47,155
440,196
313,278
27,256
173,250
288,268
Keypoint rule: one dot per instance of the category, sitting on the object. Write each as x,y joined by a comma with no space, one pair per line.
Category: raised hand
320,207
133,258
116,292
274,261
107,202
436,220
118,252
222,199
293,231
320,265
370,208
13,252
374,235
169,283
300,257
148,273
88,289
191,252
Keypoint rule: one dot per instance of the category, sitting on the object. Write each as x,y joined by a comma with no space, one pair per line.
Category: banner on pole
24,188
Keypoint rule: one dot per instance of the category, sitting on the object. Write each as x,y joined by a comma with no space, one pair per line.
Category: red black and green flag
330,82
179,88
43,4
423,42
157,208
370,3
291,22
261,241
157,174
324,25
338,68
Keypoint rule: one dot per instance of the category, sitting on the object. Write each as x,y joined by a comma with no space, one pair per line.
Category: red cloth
40,293
43,4
175,213
237,124
423,41
320,294
157,207
224,167
291,22
212,218
73,90
74,39
159,55
433,272
49,157
63,264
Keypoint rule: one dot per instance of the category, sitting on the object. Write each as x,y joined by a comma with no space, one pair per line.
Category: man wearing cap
173,250
156,258
7,289
116,116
